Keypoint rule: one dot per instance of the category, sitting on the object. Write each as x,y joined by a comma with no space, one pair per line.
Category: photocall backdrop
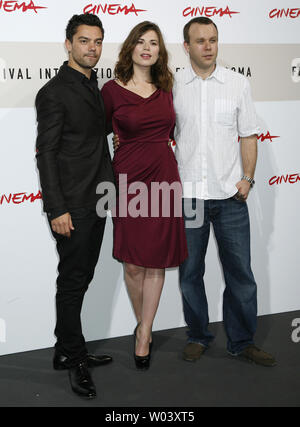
258,38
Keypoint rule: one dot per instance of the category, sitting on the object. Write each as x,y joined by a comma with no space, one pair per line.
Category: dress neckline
134,93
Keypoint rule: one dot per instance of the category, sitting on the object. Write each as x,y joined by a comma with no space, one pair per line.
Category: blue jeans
230,220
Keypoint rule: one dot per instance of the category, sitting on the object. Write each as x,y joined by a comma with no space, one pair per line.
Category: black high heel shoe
141,362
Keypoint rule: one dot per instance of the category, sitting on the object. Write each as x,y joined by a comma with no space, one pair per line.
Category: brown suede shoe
255,355
193,352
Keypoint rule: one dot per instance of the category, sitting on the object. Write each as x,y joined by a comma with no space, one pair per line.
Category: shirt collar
218,74
77,75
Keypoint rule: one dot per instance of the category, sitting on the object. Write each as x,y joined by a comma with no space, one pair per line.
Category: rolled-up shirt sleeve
247,122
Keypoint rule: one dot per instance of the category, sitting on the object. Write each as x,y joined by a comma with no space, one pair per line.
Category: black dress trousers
78,258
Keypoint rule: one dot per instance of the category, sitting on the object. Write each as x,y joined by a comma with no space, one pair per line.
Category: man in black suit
73,158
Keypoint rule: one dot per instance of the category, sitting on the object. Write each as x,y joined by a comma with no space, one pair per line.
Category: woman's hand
116,142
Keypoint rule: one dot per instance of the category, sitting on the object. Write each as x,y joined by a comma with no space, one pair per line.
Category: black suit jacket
72,149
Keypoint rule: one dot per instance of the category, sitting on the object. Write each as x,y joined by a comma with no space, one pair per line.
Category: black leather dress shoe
61,362
81,381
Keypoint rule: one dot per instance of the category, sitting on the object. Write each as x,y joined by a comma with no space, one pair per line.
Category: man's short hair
201,20
83,19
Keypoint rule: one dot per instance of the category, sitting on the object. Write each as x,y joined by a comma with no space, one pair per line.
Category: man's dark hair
84,19
201,20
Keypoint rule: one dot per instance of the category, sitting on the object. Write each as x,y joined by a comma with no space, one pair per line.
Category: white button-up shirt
210,116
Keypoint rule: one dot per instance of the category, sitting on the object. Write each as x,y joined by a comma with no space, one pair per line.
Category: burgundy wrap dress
148,231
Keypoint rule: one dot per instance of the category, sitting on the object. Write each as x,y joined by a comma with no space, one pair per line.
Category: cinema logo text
18,198
13,5
285,13
111,9
208,11
288,178
264,137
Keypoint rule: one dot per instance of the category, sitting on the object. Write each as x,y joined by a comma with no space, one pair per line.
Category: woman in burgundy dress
149,231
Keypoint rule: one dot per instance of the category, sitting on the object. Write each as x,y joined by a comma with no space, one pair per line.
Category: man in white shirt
213,108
